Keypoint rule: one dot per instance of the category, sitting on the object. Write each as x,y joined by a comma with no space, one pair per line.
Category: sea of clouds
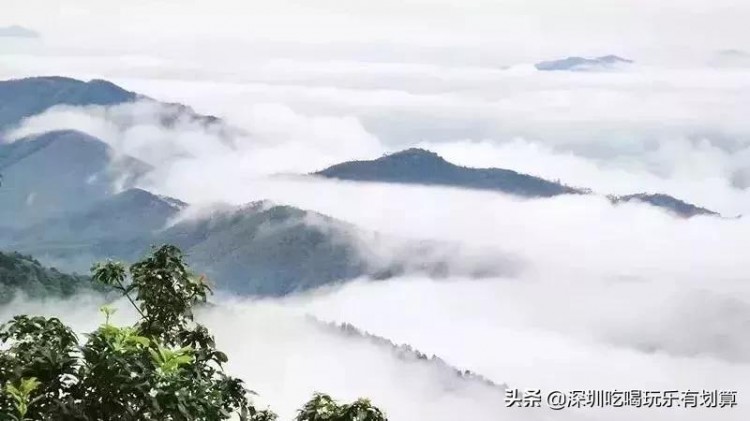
600,296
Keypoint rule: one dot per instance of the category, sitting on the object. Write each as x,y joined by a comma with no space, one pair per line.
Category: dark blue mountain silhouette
21,98
58,172
419,166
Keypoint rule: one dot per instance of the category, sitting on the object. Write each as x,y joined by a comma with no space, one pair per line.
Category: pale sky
665,29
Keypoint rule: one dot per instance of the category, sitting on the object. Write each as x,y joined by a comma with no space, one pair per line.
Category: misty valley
347,211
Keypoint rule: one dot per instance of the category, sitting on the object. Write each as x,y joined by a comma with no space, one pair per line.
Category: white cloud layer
507,27
611,336
606,297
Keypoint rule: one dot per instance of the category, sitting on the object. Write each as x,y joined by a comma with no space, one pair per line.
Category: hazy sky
666,29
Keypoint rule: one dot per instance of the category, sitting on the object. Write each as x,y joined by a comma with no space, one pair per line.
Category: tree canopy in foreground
164,367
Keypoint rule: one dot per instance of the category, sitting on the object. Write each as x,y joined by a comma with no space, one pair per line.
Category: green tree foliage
323,408
164,367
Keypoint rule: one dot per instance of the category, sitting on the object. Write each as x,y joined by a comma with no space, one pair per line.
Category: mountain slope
255,249
263,249
258,249
19,273
57,172
407,353
124,217
669,203
21,98
419,166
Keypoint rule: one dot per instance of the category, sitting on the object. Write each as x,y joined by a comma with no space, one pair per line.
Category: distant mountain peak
64,135
145,197
415,152
414,155
31,96
576,63
68,82
14,152
27,97
63,171
49,79
16,31
423,167
613,59
107,87
667,202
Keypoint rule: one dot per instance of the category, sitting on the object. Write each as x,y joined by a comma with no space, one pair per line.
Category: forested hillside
20,273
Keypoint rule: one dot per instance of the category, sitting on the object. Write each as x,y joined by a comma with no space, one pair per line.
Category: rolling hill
419,166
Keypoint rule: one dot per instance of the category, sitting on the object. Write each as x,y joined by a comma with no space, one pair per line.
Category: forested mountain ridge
420,166
24,274
409,353
260,248
423,167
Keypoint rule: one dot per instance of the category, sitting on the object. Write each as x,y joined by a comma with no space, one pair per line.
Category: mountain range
256,249
68,199
423,167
